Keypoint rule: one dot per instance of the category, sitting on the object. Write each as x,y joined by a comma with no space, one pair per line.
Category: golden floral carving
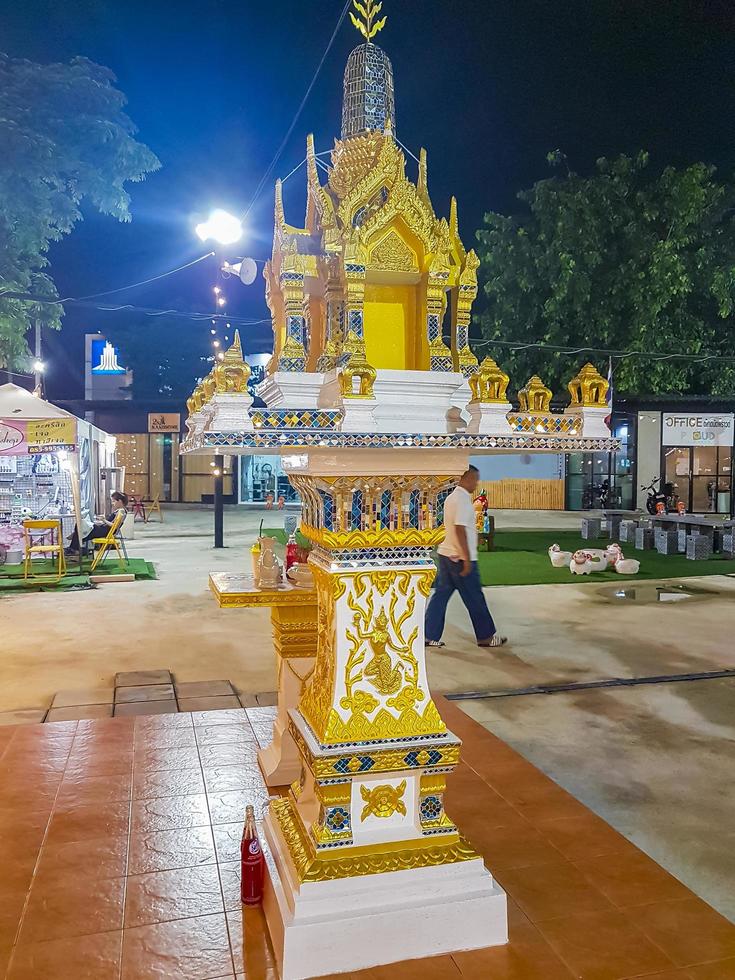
393,255
358,861
383,801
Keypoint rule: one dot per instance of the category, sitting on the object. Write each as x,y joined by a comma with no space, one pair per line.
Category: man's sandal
496,640
434,643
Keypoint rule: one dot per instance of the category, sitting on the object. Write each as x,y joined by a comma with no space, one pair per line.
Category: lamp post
224,229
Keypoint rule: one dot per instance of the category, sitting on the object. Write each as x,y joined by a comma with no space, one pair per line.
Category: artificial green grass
521,558
11,576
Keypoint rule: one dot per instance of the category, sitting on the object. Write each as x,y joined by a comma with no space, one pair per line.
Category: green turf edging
521,558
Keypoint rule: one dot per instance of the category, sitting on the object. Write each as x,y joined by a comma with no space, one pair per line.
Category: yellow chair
111,540
45,550
154,507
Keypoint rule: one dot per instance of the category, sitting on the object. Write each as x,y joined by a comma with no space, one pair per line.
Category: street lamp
220,226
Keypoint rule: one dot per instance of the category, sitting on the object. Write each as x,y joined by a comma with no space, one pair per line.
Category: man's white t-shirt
458,510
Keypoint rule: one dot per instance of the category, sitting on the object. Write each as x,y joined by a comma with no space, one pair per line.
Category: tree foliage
64,140
622,260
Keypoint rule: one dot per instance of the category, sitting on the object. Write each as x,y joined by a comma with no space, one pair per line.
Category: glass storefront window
589,474
702,475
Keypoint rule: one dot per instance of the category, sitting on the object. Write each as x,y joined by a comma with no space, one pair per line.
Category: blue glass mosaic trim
337,819
356,511
298,438
385,500
345,765
431,808
327,509
413,508
296,327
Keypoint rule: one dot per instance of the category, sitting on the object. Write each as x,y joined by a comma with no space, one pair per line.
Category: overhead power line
10,294
289,131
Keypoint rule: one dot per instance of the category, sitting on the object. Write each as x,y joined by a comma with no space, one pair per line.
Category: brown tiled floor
119,847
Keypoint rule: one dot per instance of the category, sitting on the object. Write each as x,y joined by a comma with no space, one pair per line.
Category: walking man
458,568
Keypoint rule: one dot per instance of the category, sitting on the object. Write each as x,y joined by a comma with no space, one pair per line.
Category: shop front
688,443
696,449
52,466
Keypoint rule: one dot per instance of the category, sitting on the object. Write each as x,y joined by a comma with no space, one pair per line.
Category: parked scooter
661,501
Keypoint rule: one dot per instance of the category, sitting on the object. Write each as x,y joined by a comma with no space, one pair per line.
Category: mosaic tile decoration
288,418
262,441
368,100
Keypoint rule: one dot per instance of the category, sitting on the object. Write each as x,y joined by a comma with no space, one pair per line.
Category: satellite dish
248,272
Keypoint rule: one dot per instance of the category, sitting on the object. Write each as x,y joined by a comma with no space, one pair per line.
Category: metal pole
219,465
37,376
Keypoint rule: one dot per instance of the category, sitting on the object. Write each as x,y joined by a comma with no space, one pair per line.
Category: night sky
487,87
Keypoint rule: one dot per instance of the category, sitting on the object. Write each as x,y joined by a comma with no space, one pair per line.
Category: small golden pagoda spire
453,220
232,372
234,353
366,23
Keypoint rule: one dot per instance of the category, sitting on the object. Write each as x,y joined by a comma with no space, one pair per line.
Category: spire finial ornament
367,23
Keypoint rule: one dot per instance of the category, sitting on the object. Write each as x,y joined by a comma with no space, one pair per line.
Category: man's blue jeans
448,580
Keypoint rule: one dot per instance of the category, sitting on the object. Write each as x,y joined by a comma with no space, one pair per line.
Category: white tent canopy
23,406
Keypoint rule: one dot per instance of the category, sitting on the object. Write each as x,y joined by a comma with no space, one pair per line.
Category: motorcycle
661,500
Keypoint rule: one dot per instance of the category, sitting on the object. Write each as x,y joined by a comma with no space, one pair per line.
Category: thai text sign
704,429
164,422
48,435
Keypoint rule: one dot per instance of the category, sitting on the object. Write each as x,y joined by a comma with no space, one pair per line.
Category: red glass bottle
292,552
252,862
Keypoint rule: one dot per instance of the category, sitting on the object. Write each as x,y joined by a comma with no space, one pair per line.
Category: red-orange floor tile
88,859
93,957
602,946
170,813
88,820
187,949
251,948
631,878
527,956
723,970
548,891
179,894
167,782
688,931
582,837
163,850
73,908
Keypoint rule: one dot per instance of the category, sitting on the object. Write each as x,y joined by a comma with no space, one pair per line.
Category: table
703,522
294,622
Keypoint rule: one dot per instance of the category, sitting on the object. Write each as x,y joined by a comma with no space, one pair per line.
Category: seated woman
102,523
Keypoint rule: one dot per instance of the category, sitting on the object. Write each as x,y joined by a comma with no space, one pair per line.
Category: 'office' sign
704,429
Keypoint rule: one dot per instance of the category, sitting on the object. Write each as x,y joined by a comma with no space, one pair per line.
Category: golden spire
280,217
234,353
366,23
423,182
453,220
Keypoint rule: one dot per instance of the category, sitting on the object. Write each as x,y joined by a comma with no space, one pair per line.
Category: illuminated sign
705,429
104,358
164,422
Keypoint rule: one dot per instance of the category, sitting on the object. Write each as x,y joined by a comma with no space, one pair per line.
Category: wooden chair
54,549
155,508
113,539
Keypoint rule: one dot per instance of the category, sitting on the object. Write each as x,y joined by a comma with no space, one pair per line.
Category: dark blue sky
488,87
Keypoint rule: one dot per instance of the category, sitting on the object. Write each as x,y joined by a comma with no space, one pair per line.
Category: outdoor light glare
39,366
217,289
213,331
216,471
221,301
220,356
216,343
221,226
